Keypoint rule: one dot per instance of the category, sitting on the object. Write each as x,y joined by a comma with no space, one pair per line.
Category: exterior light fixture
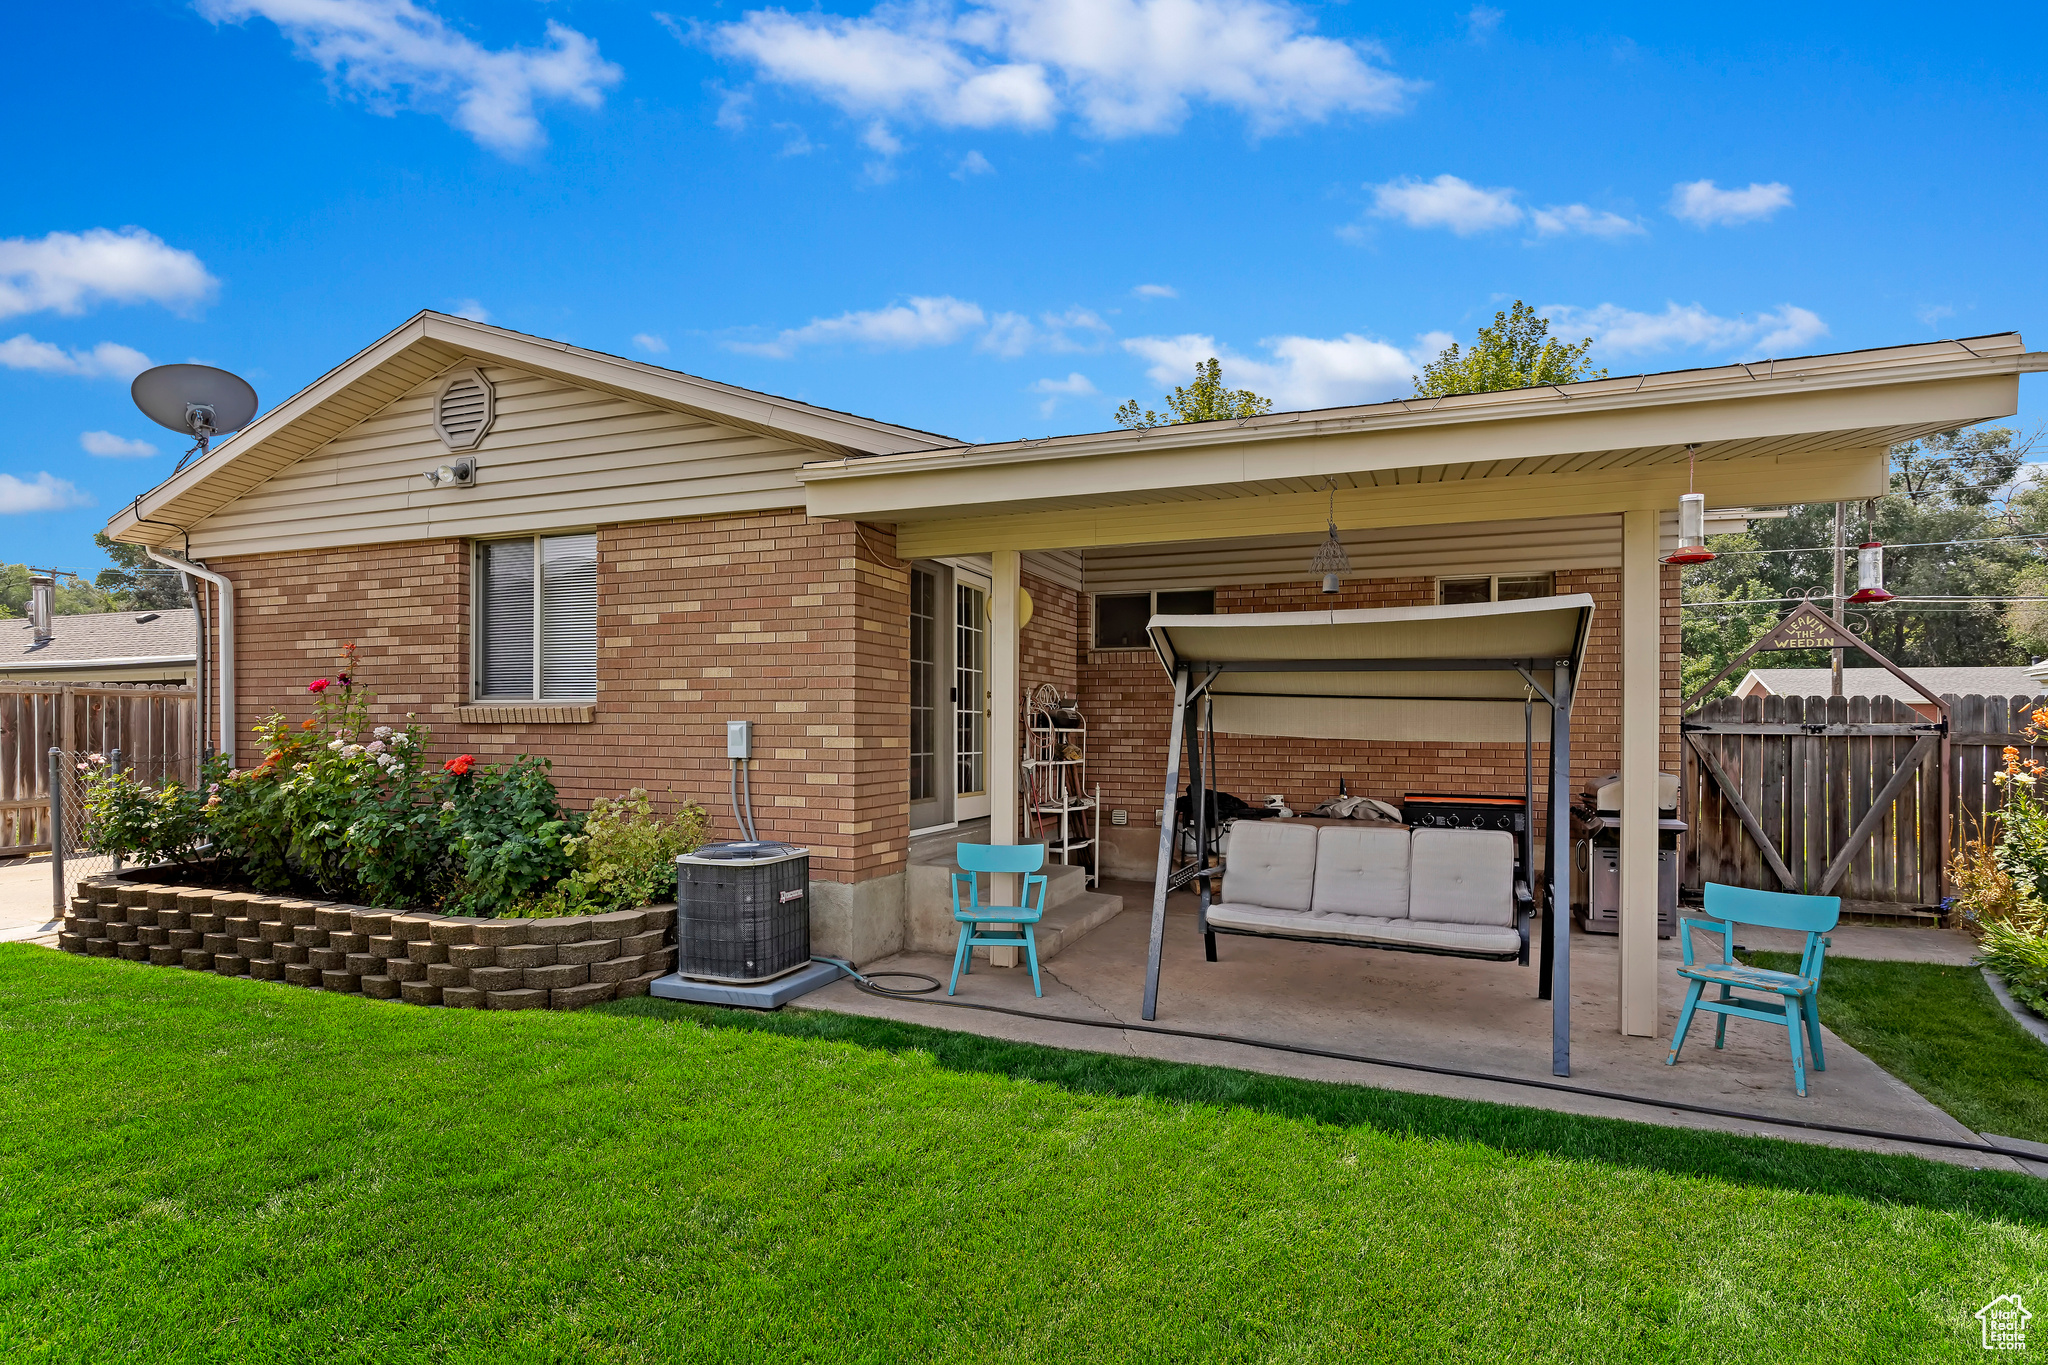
1331,561
1692,521
1870,574
456,474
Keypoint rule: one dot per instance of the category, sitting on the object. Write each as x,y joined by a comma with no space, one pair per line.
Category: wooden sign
1806,628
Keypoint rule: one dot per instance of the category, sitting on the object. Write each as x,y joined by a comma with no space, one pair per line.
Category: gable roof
1987,681
114,637
429,343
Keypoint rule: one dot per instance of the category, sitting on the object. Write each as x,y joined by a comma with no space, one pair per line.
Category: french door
949,695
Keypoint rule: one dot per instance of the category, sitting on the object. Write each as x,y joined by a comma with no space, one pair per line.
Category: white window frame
1493,581
476,617
1152,606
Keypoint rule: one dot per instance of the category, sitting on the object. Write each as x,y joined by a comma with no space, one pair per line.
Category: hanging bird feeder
1692,522
1870,574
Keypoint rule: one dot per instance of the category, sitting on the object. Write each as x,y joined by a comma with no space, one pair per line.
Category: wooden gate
152,726
1821,795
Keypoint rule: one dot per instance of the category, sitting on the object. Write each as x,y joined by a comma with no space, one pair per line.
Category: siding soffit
430,344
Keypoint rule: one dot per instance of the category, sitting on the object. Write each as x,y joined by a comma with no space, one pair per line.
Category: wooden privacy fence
151,726
1858,797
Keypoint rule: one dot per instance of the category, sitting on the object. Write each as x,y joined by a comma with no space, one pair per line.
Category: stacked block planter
500,964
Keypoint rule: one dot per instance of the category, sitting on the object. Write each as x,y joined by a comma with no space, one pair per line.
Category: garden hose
864,982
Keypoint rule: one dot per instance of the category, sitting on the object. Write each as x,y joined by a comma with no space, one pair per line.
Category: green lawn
199,1168
1939,1030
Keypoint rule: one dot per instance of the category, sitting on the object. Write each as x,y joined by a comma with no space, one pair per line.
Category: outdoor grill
743,912
1596,864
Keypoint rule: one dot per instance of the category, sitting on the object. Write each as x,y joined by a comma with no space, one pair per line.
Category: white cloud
795,142
1304,372
1010,335
106,443
1481,22
1931,313
1618,330
44,492
1156,291
877,138
936,321
1562,218
70,271
394,53
1705,204
1446,201
471,309
1075,385
108,360
973,164
1121,66
650,343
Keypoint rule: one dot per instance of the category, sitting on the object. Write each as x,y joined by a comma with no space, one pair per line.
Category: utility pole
1840,592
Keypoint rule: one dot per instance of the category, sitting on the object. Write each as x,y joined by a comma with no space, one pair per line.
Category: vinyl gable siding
556,456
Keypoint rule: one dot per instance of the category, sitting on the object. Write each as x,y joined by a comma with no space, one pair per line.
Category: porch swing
1471,674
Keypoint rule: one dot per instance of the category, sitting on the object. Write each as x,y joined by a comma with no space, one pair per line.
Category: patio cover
1462,674
1444,674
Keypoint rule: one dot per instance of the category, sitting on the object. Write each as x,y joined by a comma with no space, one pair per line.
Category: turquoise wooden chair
1796,995
977,859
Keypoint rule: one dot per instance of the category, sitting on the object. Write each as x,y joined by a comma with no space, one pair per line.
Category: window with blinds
536,619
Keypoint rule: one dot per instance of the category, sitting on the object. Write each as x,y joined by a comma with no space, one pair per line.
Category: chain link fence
73,857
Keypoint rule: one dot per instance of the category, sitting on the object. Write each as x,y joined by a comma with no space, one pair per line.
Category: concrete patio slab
1434,1011
25,901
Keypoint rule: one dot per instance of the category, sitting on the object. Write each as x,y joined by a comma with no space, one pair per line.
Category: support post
114,764
1164,871
1005,742
1557,920
1641,691
56,833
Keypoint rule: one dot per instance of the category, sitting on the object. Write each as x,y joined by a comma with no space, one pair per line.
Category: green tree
74,596
137,580
1951,494
1205,400
1517,352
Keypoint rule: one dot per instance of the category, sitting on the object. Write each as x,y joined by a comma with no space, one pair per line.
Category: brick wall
1050,647
798,625
1128,701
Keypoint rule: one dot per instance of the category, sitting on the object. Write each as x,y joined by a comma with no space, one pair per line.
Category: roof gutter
226,667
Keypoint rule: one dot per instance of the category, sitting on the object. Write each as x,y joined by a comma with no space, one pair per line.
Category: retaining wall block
369,921
527,955
101,947
121,933
195,900
133,895
140,915
173,919
70,943
576,997
331,918
197,960
589,950
345,982
453,929
289,952
515,999
230,964
131,952
186,938
496,979
161,898
411,928
349,941
275,931
327,959
418,992
381,987
405,969
89,928
296,913
384,945
501,933
642,943
426,950
472,955
206,921
309,936
150,936
266,969
302,974
617,969
615,925
444,974
661,961
462,997
566,929
252,947
556,977
637,985
162,955
364,964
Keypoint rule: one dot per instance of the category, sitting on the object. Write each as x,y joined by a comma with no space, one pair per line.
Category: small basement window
536,619
1504,587
1121,618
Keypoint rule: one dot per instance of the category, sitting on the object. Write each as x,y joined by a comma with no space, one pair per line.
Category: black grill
743,912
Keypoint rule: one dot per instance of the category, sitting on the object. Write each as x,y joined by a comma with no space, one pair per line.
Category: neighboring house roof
103,639
1875,682
430,343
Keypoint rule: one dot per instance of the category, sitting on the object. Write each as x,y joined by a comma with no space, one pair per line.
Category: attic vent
464,409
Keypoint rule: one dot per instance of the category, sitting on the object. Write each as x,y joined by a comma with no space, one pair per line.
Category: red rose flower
461,765
318,685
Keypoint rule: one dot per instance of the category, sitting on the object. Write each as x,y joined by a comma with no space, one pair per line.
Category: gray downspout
225,655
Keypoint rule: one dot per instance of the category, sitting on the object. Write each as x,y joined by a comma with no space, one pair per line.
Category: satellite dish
199,400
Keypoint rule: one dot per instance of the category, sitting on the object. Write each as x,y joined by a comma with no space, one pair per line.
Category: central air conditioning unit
743,912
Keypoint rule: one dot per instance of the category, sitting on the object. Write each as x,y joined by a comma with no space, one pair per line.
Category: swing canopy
1457,674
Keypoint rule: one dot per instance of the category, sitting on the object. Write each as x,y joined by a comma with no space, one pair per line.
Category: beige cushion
1365,929
1362,871
1272,863
1462,876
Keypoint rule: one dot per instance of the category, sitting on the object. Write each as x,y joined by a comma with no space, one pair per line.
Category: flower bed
2001,878
558,962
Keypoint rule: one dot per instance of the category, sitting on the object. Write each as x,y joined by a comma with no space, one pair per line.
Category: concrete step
1080,916
928,895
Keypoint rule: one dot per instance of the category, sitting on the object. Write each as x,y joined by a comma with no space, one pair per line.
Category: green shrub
507,835
624,857
126,816
2021,957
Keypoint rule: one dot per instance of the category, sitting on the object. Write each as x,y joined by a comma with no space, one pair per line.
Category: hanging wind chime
1692,521
1330,560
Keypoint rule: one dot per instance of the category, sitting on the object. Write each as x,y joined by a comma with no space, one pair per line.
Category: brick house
638,556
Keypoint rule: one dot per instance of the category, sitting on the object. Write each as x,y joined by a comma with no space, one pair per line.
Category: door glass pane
970,676
568,616
505,634
924,685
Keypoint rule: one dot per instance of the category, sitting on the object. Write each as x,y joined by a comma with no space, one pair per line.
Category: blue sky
994,218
